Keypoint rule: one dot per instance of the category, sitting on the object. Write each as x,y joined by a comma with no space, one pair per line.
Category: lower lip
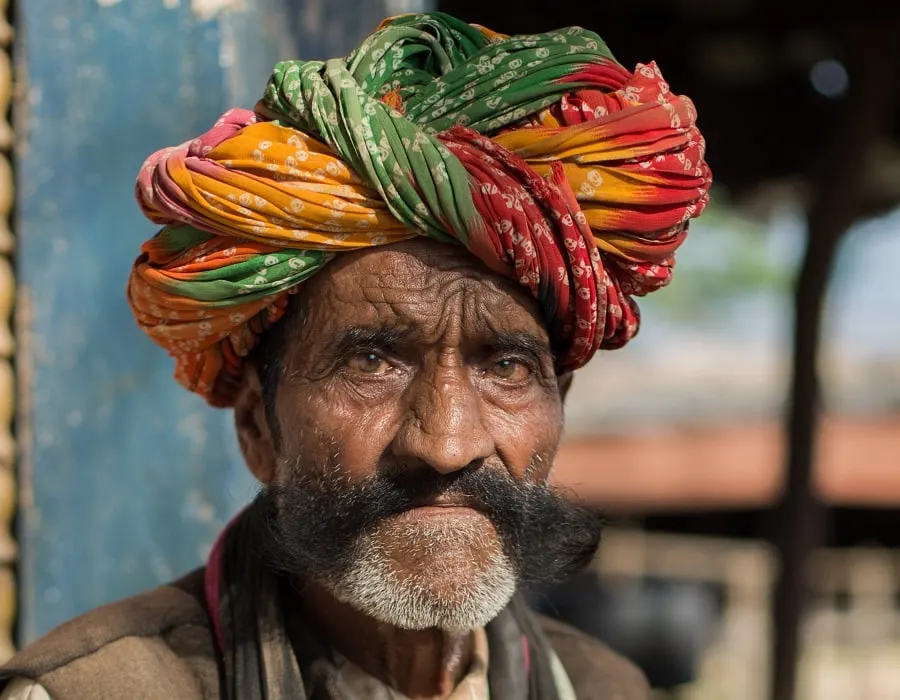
439,512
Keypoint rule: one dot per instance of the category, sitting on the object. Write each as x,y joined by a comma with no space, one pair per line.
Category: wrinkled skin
409,354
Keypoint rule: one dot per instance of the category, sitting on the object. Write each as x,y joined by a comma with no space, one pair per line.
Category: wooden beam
800,516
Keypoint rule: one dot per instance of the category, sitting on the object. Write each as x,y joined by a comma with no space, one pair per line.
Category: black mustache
314,521
399,488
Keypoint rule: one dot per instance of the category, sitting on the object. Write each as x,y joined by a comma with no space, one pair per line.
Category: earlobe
253,431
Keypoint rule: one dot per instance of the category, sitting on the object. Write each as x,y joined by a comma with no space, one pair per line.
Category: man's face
409,440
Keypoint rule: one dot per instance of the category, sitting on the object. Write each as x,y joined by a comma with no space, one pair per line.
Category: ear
564,382
253,431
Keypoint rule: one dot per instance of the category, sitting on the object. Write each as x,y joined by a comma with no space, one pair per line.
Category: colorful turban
543,156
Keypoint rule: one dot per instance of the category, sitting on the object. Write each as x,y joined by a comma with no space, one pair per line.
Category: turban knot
542,155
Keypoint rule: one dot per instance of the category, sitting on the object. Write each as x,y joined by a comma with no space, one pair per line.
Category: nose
444,426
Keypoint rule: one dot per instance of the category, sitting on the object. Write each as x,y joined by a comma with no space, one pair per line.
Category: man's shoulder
148,634
154,613
595,670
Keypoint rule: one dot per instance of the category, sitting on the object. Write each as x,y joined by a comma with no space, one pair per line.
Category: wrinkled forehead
434,287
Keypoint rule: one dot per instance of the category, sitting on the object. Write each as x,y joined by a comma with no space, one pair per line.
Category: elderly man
390,269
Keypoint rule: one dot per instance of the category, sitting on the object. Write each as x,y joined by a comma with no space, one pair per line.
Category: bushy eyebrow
356,338
519,341
394,338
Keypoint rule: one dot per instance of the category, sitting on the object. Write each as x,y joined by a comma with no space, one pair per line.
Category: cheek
526,436
330,426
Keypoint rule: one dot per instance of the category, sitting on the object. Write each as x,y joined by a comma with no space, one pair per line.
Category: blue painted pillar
125,478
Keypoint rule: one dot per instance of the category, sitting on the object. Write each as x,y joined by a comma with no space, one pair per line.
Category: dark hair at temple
268,358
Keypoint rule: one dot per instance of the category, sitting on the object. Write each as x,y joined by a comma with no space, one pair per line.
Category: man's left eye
511,369
369,363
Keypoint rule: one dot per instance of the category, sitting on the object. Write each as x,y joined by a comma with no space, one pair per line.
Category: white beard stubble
457,578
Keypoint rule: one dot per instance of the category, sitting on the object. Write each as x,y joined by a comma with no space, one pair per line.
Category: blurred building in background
695,613
705,382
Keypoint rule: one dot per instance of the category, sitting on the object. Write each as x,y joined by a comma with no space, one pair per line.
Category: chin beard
428,578
452,573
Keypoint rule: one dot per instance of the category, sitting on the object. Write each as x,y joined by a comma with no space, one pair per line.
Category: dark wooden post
837,190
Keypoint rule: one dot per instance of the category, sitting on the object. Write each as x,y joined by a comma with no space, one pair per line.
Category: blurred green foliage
724,258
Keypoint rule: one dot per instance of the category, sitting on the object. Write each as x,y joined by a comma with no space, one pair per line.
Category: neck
420,664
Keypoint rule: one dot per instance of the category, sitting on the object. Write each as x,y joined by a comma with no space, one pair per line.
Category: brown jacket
159,646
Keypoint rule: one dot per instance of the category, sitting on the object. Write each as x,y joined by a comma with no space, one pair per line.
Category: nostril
444,452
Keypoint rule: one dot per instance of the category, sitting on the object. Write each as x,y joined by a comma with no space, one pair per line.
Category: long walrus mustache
314,520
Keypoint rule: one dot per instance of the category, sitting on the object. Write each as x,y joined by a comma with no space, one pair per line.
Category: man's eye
369,363
510,369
